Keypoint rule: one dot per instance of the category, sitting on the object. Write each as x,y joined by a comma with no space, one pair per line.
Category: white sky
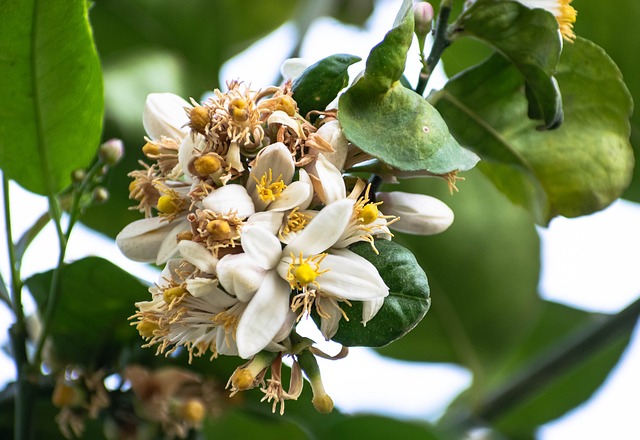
590,263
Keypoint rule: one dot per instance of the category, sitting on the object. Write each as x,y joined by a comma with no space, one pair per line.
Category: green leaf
320,83
594,22
393,123
529,39
406,305
242,425
572,388
483,273
575,170
381,428
90,323
51,92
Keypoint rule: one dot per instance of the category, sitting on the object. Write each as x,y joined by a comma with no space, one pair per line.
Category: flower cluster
248,205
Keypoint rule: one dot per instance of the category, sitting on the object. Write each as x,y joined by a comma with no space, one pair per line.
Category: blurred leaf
529,39
483,273
595,19
320,83
577,169
353,11
462,54
237,424
378,114
203,34
90,325
406,305
51,92
556,322
381,428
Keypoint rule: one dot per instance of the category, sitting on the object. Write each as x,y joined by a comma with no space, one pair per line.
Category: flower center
296,222
238,110
174,292
303,271
219,229
146,328
268,189
199,117
369,213
206,165
170,204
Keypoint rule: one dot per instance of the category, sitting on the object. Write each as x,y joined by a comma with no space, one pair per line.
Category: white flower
266,274
418,214
164,115
151,239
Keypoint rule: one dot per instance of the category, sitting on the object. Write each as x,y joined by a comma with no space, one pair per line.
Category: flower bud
111,152
100,194
77,176
419,214
332,133
423,16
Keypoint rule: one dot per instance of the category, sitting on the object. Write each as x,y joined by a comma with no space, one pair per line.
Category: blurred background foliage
486,313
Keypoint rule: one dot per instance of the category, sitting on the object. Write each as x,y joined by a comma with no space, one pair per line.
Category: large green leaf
51,92
406,305
237,424
320,83
393,123
556,324
483,273
90,325
381,428
575,170
529,39
614,28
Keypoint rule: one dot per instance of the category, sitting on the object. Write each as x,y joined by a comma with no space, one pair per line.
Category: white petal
419,214
294,195
169,246
304,177
240,276
351,277
371,309
262,246
269,220
204,286
280,117
226,344
164,115
329,326
264,316
332,133
198,255
189,146
292,68
277,158
142,239
230,198
331,180
324,230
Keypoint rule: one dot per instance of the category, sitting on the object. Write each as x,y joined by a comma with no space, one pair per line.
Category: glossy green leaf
237,424
320,83
483,273
95,299
529,39
393,123
406,305
574,387
575,170
51,93
614,29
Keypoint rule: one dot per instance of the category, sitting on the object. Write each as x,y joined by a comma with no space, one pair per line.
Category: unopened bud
419,214
111,152
423,16
193,411
77,176
100,194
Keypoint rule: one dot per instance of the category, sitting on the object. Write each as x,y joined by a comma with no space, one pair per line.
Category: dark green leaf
483,273
320,83
393,123
51,92
556,322
575,170
237,424
594,22
90,324
529,39
381,428
406,305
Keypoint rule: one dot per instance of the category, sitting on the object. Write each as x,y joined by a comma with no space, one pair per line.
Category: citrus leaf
393,123
406,305
90,324
529,38
320,83
574,170
51,92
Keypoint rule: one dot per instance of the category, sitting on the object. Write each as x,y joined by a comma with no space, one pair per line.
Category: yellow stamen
150,149
199,117
174,292
132,185
301,273
146,328
206,165
287,105
268,190
219,229
166,205
243,379
369,213
193,411
238,110
184,236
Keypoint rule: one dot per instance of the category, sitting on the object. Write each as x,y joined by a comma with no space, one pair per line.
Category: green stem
18,332
440,43
556,361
